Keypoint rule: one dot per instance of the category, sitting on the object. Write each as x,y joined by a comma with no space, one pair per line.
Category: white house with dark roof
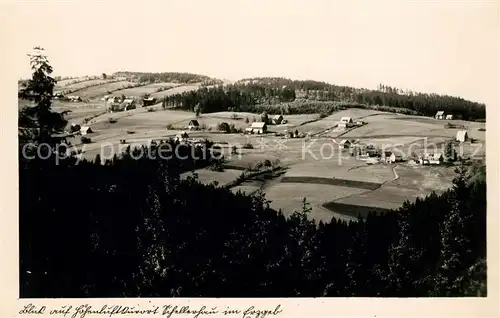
259,127
440,115
193,124
277,119
462,136
345,119
449,116
344,143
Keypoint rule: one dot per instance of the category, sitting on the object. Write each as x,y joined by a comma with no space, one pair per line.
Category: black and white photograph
253,149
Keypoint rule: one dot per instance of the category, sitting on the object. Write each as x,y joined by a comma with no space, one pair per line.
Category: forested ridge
132,227
247,93
168,77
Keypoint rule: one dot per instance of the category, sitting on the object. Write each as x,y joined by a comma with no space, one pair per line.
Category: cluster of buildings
347,122
115,103
441,115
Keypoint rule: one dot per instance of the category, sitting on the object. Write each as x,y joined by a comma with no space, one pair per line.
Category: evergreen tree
38,123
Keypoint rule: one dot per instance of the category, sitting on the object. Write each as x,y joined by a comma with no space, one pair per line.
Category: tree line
271,91
173,77
133,227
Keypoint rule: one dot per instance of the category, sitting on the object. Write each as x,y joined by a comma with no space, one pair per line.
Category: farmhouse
193,124
433,159
113,103
128,104
449,116
149,101
440,115
259,127
75,98
347,120
85,130
344,143
391,157
277,119
462,136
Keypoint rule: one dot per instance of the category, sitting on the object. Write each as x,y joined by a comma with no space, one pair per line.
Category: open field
82,85
335,184
176,90
66,82
101,90
146,89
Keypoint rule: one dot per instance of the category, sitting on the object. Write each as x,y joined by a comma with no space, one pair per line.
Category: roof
343,141
128,100
441,112
149,99
277,116
84,128
345,118
449,115
193,122
259,124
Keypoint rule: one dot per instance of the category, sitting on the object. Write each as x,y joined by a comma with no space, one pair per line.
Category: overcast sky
433,46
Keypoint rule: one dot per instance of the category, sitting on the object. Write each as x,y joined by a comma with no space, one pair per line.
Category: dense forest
132,227
168,77
247,93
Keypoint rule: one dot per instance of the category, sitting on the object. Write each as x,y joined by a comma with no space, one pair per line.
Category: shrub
150,110
112,120
247,146
224,127
86,140
169,127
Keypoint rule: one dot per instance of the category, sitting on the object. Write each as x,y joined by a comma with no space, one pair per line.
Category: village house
432,159
462,136
344,144
193,124
259,127
112,103
148,101
440,115
277,119
85,130
449,116
127,104
347,120
75,98
391,157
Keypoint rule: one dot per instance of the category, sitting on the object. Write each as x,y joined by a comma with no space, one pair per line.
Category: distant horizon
266,76
447,48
